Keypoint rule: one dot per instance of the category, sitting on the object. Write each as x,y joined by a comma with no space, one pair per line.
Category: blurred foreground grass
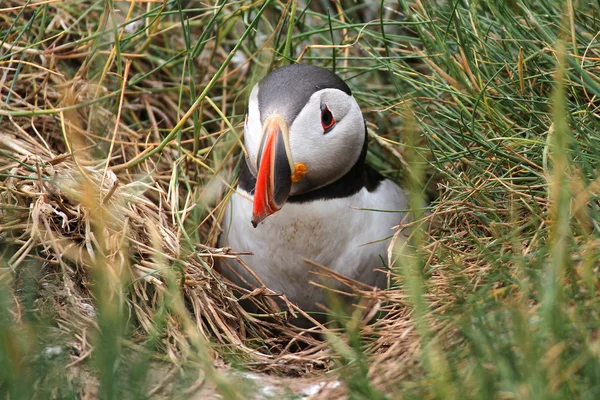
106,263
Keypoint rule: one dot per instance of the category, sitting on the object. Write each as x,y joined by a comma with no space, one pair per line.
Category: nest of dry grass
76,218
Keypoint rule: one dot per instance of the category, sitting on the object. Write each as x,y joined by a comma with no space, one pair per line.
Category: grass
119,143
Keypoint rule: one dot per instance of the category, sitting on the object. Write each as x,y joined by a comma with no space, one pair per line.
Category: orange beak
275,167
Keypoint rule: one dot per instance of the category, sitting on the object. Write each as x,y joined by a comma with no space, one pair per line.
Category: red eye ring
327,119
246,119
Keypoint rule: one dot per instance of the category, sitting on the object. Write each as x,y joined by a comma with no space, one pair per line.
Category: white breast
330,232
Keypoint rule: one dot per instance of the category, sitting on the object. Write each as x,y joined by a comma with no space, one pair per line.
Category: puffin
305,192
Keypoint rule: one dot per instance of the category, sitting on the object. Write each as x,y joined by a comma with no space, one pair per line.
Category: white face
327,156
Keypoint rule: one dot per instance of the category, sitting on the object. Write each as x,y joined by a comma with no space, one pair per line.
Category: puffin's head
303,131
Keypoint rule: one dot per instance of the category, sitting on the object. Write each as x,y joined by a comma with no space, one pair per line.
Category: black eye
327,120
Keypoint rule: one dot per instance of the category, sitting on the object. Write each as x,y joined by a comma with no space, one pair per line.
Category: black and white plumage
303,182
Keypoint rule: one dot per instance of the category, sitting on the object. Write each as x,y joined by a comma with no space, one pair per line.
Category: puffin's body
304,187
